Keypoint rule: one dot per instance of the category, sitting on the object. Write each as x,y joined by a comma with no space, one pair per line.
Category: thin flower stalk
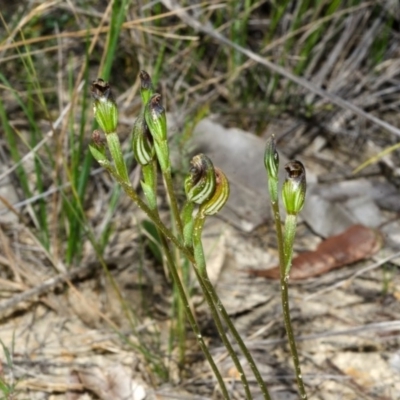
196,188
285,249
213,301
236,335
187,307
216,202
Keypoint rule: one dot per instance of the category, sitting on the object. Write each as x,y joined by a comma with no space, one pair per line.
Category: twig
386,326
45,287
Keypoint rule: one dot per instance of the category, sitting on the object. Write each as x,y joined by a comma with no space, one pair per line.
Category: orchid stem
284,278
202,276
210,295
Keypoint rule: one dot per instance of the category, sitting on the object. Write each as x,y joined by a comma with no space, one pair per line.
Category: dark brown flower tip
199,167
101,90
200,183
155,118
294,187
145,80
295,170
155,104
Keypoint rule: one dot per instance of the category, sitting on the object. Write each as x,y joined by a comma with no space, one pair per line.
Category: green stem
150,190
290,232
166,172
284,278
187,220
239,340
191,318
162,153
202,276
208,289
174,204
149,174
131,193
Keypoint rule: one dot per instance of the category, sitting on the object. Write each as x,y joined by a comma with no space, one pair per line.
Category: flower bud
146,86
220,196
271,162
156,120
142,142
271,158
294,187
105,109
200,184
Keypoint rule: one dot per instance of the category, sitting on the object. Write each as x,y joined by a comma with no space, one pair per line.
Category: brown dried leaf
356,243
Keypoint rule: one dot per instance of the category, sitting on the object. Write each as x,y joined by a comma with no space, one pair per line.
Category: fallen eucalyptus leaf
356,243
